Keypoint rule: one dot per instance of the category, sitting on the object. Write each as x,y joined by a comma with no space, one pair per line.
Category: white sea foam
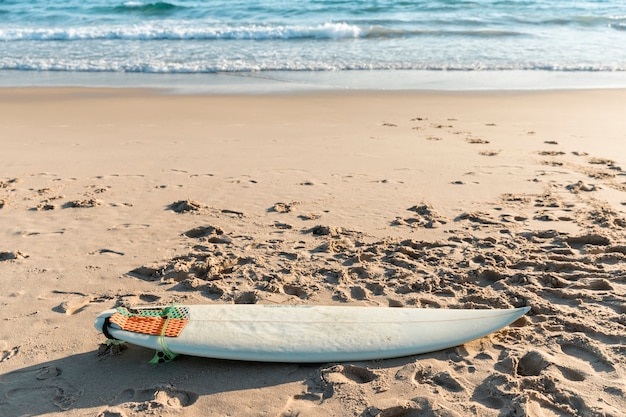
173,30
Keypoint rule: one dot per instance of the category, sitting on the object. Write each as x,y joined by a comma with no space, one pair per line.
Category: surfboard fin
162,357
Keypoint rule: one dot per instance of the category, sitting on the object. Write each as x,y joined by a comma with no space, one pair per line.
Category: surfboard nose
99,322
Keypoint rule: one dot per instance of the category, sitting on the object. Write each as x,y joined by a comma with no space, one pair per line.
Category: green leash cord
164,355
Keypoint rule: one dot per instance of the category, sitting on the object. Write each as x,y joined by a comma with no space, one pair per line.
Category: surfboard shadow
86,381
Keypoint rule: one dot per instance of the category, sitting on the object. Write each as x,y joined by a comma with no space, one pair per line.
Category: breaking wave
259,32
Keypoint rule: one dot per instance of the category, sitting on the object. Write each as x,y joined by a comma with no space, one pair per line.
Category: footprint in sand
538,405
6,354
315,216
246,297
480,218
476,141
186,206
440,379
282,207
425,216
351,376
21,397
296,290
377,288
419,406
447,381
74,306
282,226
159,397
493,392
600,161
45,382
342,374
12,256
87,203
301,403
584,351
395,411
407,373
587,239
204,231
579,186
149,298
572,374
8,183
45,205
357,292
78,302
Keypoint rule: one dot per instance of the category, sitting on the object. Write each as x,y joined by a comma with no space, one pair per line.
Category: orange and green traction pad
158,321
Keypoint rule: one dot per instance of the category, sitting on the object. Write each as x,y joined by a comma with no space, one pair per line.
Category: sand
409,199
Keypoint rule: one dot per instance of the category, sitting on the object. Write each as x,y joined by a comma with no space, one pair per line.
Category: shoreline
432,199
277,82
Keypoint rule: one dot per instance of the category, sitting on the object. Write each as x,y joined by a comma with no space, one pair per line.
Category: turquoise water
255,37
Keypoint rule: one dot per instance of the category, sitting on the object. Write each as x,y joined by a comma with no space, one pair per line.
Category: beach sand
409,199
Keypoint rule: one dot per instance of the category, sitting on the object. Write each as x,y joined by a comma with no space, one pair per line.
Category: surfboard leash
105,329
165,355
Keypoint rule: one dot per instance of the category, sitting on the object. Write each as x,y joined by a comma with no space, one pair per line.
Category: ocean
345,42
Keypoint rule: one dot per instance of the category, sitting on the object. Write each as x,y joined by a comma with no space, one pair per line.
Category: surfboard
300,334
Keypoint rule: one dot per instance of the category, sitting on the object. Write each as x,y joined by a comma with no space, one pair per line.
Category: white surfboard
279,333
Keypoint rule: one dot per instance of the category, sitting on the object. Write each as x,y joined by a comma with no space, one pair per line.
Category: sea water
351,42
